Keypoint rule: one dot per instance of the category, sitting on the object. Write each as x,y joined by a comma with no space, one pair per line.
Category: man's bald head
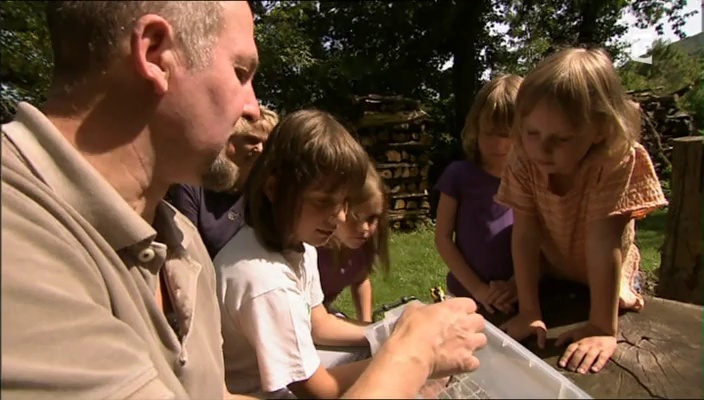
85,35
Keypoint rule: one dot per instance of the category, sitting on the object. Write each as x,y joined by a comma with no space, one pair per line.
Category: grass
417,266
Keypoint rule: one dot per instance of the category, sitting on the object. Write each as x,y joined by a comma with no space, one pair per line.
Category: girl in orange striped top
577,179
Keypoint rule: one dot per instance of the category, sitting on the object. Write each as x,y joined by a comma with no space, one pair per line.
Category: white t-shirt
265,304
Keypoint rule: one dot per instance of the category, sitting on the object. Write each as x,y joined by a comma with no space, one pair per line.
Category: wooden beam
680,275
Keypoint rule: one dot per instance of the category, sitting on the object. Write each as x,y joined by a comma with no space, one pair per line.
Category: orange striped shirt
626,187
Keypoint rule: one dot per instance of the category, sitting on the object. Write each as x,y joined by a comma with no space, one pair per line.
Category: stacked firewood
661,121
393,131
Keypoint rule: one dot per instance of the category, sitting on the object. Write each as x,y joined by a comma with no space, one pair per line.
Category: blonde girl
359,244
267,275
473,232
577,180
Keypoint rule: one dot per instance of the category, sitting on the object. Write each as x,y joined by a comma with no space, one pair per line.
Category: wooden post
681,264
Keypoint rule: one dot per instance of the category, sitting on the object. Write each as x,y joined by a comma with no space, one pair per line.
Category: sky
641,39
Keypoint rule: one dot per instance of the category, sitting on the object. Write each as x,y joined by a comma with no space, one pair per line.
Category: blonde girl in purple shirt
473,232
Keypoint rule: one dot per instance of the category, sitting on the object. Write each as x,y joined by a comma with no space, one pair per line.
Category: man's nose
250,110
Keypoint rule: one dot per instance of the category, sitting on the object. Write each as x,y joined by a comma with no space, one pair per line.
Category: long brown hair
308,147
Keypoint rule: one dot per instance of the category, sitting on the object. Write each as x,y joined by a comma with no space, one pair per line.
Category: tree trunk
681,265
468,29
589,12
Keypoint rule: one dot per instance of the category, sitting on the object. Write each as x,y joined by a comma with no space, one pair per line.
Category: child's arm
594,343
444,231
525,248
328,330
361,292
330,383
627,189
604,261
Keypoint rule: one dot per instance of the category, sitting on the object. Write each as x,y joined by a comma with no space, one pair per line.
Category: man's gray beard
222,175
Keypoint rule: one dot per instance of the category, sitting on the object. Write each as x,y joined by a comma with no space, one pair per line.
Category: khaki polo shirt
79,277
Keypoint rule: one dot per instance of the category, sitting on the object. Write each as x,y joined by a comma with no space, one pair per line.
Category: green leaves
316,53
25,54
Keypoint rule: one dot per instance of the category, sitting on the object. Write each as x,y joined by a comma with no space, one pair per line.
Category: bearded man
213,207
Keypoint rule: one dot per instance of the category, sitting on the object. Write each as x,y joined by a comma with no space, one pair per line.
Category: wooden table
659,352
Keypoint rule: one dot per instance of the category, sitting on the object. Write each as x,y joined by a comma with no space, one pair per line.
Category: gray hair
85,34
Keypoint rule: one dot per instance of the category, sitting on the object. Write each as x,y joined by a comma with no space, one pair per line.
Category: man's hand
589,351
451,331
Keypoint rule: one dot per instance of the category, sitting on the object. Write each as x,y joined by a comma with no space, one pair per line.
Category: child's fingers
590,357
503,306
493,295
567,355
542,337
600,361
504,298
487,306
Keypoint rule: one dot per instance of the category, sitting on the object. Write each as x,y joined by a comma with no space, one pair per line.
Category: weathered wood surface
659,352
681,267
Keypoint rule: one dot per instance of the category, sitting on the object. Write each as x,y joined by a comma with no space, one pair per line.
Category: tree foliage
671,69
25,54
317,54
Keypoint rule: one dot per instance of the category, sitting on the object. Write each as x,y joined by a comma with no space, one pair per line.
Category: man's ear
153,51
270,188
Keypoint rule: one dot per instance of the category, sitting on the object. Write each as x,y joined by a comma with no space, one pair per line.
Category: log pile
393,131
661,121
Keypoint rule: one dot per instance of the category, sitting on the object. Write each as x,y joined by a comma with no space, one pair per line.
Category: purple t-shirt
217,215
335,278
482,226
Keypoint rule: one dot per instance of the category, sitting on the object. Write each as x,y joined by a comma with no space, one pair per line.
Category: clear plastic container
508,370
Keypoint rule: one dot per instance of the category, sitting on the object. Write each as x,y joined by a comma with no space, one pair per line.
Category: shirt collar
74,180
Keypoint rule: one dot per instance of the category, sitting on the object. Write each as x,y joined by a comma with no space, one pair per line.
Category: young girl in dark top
357,246
473,232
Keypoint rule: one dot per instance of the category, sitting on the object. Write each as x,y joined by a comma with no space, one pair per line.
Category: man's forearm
396,371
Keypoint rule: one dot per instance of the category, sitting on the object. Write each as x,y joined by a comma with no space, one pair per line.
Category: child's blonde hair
492,111
377,247
306,148
584,86
264,125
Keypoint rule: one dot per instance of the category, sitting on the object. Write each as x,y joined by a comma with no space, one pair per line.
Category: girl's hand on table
589,351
